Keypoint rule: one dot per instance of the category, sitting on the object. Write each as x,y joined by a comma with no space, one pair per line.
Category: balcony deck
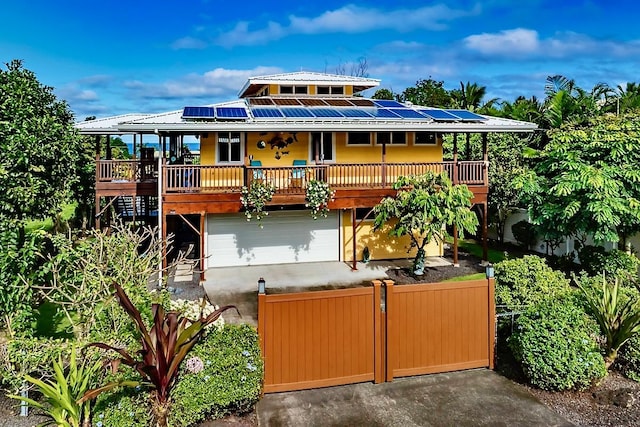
217,188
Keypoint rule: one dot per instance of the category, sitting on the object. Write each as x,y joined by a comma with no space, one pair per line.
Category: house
286,129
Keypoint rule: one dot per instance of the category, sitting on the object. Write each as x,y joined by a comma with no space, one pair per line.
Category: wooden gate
326,338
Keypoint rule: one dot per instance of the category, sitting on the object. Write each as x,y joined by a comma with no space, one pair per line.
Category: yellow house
288,130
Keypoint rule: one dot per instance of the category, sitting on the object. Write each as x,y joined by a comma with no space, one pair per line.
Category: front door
322,149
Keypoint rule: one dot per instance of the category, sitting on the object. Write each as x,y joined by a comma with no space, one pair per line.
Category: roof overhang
254,84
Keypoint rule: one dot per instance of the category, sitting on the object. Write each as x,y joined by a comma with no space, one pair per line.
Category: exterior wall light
489,271
261,285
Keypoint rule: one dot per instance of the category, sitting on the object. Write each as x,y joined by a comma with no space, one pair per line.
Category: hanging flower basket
255,197
318,196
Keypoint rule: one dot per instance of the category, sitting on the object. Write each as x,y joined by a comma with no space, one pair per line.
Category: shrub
229,380
525,233
595,260
528,280
629,359
126,407
554,342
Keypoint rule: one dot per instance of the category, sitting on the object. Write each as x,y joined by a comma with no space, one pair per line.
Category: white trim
312,159
347,144
392,144
240,161
423,144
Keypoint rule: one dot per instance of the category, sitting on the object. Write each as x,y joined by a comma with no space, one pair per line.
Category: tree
422,208
586,180
384,94
429,93
40,161
470,96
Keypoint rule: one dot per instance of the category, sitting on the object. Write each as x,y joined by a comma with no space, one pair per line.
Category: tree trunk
610,358
418,262
161,413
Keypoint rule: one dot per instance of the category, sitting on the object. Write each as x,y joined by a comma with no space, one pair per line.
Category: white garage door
286,237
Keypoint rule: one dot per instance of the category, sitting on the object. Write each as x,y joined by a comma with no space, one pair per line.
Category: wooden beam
455,159
113,199
485,244
354,266
455,247
189,224
202,237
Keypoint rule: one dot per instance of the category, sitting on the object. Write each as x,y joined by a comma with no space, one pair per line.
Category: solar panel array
329,108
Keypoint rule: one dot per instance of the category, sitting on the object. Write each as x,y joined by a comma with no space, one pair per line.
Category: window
396,138
286,89
426,138
300,89
229,147
322,145
337,90
358,138
323,90
330,90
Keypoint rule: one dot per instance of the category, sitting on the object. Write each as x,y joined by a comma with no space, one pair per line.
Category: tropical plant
525,233
618,317
255,197
422,208
163,349
318,195
63,393
428,92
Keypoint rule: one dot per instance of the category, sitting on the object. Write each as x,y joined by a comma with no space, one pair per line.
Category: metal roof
107,125
308,77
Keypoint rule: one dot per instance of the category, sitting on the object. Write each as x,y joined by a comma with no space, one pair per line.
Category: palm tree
469,97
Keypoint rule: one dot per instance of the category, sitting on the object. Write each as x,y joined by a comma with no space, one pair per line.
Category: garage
286,237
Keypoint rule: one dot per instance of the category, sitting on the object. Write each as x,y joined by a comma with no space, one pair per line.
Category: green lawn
474,276
475,249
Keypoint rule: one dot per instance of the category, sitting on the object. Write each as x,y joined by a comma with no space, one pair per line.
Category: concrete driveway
469,398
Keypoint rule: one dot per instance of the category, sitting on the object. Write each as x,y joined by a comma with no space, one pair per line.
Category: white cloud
217,84
188,43
523,42
347,19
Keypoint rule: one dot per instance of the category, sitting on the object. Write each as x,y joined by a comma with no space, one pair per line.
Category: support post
354,266
455,159
262,315
108,147
97,141
202,219
485,159
489,270
455,247
384,164
391,333
485,243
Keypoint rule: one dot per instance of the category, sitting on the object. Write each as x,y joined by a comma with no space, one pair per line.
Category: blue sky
114,57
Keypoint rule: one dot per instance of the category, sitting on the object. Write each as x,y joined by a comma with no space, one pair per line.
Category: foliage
255,197
554,343
63,392
36,133
125,407
470,96
19,259
318,196
81,271
628,360
230,379
525,233
33,356
429,93
585,180
195,310
163,349
527,281
384,94
618,317
422,208
615,263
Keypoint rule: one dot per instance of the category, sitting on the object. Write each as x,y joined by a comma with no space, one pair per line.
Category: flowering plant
255,197
317,198
194,309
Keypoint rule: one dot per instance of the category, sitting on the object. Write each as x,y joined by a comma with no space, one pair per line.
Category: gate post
262,315
391,333
379,333
489,272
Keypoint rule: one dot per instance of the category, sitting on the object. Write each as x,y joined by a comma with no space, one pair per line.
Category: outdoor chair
257,173
298,174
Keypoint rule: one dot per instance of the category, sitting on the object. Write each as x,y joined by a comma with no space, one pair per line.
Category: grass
474,276
475,249
67,212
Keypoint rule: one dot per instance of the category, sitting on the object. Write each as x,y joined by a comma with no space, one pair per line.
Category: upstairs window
229,147
300,90
286,90
426,138
330,90
359,138
391,138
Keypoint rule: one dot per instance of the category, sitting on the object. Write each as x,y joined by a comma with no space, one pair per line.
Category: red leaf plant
164,348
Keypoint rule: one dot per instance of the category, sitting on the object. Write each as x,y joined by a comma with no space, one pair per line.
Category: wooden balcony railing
126,170
293,179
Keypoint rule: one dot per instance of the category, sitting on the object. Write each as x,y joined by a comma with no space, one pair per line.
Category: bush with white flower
255,197
194,309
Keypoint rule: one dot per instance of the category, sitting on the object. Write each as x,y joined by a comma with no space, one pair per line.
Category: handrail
293,179
126,170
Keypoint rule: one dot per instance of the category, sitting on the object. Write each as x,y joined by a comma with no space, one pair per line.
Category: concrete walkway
470,398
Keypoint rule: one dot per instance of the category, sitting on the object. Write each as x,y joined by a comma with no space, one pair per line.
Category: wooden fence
376,333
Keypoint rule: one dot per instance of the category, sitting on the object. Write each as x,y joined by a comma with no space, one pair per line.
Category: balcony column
384,166
485,210
108,147
97,212
354,266
455,181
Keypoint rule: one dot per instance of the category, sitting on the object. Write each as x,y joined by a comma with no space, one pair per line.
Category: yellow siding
274,89
380,244
208,149
298,150
312,89
409,153
348,90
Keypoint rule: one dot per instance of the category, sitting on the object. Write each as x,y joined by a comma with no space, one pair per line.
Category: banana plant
63,392
163,349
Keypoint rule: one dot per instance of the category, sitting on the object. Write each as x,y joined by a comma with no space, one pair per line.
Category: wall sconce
262,144
262,284
489,271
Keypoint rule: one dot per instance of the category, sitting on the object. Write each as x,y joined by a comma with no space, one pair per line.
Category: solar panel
198,112
383,113
388,103
231,113
260,101
286,101
407,113
313,101
355,112
338,102
439,115
325,112
362,102
296,112
466,115
266,112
